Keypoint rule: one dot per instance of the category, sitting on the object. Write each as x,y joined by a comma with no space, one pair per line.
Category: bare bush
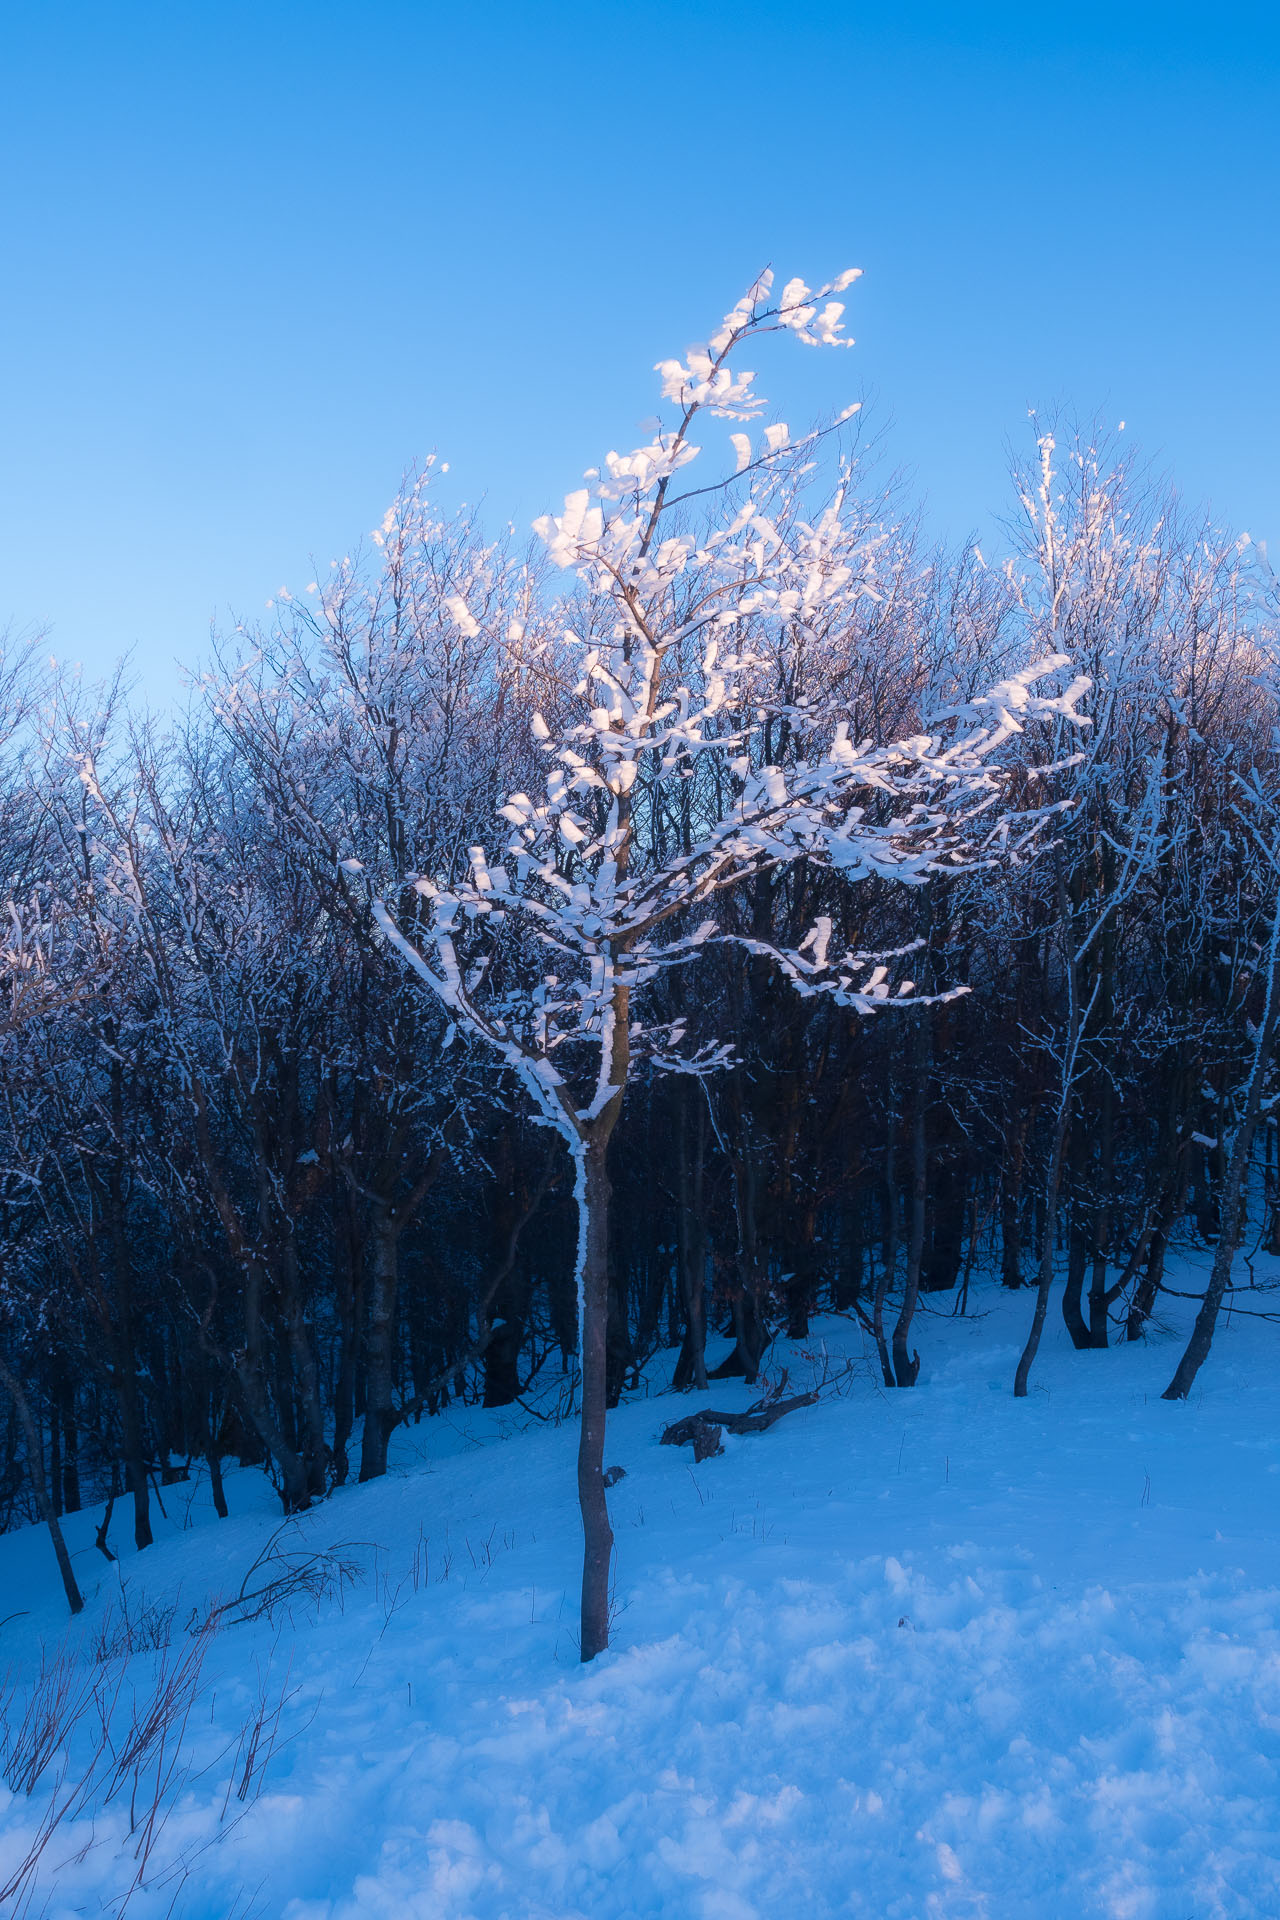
286,1577
36,1726
128,1627
100,1739
92,1731
259,1737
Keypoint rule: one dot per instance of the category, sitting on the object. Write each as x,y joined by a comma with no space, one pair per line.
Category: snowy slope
931,1653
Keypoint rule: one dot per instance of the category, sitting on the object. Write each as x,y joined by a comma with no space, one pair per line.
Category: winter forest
575,976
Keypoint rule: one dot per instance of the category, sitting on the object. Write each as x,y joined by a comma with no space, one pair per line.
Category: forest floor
926,1654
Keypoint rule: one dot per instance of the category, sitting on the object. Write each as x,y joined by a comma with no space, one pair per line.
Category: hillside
914,1656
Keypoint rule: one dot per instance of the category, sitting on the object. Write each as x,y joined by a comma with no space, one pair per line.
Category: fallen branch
757,1419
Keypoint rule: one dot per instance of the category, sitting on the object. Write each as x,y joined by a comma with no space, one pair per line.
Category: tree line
512,963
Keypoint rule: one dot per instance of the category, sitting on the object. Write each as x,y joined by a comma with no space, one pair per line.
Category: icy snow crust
928,1653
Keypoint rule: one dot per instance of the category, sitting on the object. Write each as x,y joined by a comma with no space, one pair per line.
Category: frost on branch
678,635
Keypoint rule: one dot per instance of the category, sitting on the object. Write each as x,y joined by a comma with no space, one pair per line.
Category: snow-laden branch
683,624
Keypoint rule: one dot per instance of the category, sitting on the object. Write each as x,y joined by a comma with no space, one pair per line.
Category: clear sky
257,258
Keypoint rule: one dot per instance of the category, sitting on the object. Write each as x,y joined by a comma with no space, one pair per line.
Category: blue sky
259,258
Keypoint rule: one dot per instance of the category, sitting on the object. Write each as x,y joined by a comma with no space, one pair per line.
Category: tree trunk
1148,1288
889,1244
503,1344
691,1242
206,1428
906,1366
214,1461
248,1370
1176,1156
349,1302
306,1376
379,1417
1077,1241
40,1487
55,1456
1231,1219
1011,1207
125,1357
295,1495
620,1357
70,1443
846,1283
751,1327
1048,1235
803,1285
593,1204
135,1458
1099,1295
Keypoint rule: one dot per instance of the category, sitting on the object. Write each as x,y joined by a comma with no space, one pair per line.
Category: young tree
1257,812
543,951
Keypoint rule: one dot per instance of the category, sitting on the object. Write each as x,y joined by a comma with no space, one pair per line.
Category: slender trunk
1073,1292
378,1345
103,1528
750,1324
1273,1192
970,1254
135,1457
302,1356
213,1460
1010,1235
206,1425
846,1284
125,1356
55,1456
1077,1238
249,1368
1077,1021
691,1243
906,1365
1230,1230
40,1486
250,1378
347,1291
751,1328
295,1494
803,1284
889,1245
70,1443
1099,1294
1232,1215
120,1340
620,1356
1148,1288
1048,1235
501,1337
1175,1197
1098,1316
1011,1202
593,1203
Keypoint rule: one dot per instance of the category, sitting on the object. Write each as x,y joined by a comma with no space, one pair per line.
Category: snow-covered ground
930,1653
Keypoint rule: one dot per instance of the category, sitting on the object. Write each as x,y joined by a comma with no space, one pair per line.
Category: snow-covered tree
686,596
